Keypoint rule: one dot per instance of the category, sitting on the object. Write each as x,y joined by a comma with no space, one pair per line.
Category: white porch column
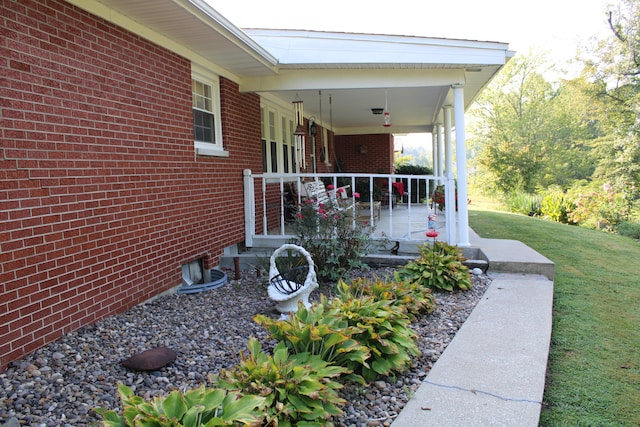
249,208
440,141
434,152
450,214
461,163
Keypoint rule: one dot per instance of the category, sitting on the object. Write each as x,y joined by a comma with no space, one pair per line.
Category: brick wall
101,197
378,158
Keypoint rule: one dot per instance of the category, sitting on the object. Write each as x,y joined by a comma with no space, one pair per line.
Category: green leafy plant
439,267
411,298
336,242
380,326
198,407
556,205
629,229
321,332
524,203
297,388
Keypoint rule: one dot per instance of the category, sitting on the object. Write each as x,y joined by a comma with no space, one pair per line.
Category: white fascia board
299,47
318,79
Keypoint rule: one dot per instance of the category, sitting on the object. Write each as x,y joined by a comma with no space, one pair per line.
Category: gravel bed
61,383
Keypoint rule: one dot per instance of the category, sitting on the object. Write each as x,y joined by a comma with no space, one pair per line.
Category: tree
614,69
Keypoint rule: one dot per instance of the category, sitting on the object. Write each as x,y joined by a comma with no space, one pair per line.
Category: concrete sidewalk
493,371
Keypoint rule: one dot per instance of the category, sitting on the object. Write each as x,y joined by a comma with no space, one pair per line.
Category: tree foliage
615,72
531,133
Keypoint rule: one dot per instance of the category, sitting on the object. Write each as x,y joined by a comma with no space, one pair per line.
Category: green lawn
594,363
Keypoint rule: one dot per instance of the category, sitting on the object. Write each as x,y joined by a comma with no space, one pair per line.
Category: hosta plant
317,331
411,298
439,267
198,407
299,389
382,327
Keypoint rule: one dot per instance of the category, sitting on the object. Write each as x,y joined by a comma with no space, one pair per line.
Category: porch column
450,214
461,163
434,151
440,141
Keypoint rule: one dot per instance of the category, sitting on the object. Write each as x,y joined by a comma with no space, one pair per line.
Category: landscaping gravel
61,383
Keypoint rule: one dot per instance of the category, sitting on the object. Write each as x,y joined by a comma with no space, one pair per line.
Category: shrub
381,327
317,331
411,298
336,243
297,388
419,190
556,205
524,203
199,407
439,266
600,210
629,229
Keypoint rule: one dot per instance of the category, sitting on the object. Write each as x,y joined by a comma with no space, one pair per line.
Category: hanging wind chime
299,134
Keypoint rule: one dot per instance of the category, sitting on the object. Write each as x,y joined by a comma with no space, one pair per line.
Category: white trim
280,112
204,148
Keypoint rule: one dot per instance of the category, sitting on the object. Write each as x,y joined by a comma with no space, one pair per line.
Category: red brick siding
101,197
379,156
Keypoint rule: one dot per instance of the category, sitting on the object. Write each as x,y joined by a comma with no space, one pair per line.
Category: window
278,155
207,129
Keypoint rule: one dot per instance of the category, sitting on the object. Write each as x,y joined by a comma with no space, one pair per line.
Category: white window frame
203,148
282,136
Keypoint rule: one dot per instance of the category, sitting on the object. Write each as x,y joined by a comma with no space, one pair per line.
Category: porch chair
288,288
337,197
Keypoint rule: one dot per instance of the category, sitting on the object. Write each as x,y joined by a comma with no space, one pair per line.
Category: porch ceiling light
377,111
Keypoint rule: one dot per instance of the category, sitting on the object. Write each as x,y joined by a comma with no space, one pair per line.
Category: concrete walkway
493,371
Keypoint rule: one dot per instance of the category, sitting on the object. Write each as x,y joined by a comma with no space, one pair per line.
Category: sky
554,27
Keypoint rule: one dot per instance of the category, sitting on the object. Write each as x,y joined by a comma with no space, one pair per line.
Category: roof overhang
192,29
347,74
358,72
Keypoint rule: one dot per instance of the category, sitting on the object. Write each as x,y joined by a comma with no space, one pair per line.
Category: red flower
330,187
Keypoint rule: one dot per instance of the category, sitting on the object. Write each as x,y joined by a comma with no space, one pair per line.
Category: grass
594,362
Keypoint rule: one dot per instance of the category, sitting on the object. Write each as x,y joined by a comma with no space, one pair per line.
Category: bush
629,229
381,327
556,205
439,267
199,407
297,388
524,203
335,243
411,298
419,188
601,210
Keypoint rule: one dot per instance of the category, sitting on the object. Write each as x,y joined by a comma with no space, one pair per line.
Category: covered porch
350,94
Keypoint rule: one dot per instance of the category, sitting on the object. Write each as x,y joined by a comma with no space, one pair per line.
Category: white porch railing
270,200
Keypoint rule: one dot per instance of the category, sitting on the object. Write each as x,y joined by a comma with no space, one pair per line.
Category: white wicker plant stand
283,289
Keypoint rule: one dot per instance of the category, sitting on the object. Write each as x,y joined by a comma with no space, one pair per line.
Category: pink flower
330,186
321,211
336,217
356,194
340,190
299,216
